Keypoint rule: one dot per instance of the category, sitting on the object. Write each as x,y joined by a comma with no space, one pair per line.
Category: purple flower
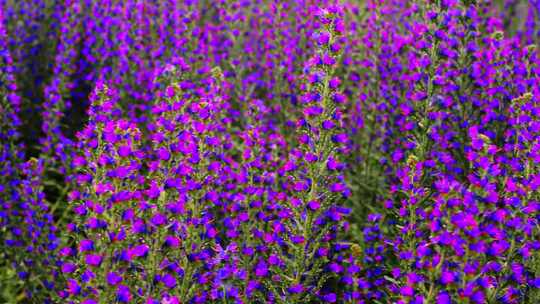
443,298
93,259
261,269
330,298
447,277
169,280
73,287
138,251
113,278
314,205
164,154
123,294
68,267
158,219
86,245
297,288
172,241
406,291
323,38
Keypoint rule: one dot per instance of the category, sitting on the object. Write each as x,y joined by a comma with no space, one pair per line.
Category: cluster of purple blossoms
243,151
27,228
197,210
454,103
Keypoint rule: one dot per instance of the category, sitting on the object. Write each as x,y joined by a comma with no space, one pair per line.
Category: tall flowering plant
450,85
153,231
22,200
314,176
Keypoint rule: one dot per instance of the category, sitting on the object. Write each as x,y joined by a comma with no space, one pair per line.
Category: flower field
264,151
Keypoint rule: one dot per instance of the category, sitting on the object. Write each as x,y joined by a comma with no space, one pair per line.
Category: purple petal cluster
456,116
28,233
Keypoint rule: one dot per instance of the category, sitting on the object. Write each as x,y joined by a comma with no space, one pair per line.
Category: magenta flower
113,278
93,260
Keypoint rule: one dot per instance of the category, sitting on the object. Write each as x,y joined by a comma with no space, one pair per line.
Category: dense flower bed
244,151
